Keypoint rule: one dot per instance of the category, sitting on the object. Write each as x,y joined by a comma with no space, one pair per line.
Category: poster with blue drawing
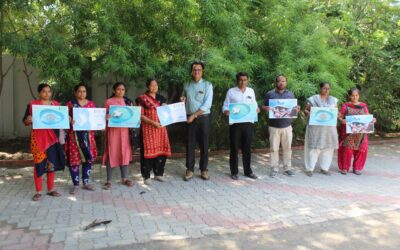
172,113
321,116
242,112
282,108
89,119
124,116
359,124
50,117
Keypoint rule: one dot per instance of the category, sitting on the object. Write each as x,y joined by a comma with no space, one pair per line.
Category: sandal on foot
54,193
128,183
74,190
36,197
89,187
107,186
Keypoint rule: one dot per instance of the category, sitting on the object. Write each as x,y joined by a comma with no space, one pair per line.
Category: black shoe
235,177
289,173
252,176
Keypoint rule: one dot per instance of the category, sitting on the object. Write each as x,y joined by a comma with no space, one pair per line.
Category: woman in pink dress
118,149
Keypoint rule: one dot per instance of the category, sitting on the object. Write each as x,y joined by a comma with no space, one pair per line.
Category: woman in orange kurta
118,149
155,147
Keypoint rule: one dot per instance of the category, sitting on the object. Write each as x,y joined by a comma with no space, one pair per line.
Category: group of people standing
50,155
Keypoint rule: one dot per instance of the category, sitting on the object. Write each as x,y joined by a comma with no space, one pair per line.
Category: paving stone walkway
176,210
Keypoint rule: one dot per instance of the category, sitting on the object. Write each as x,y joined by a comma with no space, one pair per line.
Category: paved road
321,212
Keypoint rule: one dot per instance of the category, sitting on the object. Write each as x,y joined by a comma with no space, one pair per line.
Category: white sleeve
225,107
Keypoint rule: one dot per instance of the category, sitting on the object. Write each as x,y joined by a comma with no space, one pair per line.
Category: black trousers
156,164
240,135
198,131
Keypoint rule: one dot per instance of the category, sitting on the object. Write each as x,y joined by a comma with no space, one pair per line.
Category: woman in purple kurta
118,149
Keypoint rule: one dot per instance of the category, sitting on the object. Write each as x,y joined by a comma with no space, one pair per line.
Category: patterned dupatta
48,154
82,140
155,140
149,103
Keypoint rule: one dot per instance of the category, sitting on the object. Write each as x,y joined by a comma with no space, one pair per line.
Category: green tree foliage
343,42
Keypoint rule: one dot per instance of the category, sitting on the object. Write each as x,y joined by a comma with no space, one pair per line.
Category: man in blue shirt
280,130
197,96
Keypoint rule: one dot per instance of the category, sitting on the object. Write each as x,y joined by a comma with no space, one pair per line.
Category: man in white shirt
240,134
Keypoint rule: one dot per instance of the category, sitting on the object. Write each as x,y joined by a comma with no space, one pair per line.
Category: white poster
172,113
89,118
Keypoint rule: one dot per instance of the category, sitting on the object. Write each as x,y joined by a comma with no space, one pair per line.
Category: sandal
89,187
54,193
128,183
36,197
74,190
107,186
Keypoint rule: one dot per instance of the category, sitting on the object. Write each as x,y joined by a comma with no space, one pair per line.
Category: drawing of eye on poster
362,124
124,116
50,117
172,113
242,112
321,116
89,119
282,108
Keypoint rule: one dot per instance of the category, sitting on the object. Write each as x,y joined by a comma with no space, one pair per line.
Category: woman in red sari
48,154
80,146
155,146
352,145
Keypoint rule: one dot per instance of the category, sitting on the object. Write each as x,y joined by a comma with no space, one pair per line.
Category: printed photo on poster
359,124
282,108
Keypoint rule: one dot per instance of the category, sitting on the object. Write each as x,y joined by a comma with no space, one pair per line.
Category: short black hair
322,84
280,75
41,86
148,81
81,84
196,63
238,75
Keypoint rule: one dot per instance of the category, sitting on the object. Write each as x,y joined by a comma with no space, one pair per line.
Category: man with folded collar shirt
197,96
240,134
280,130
